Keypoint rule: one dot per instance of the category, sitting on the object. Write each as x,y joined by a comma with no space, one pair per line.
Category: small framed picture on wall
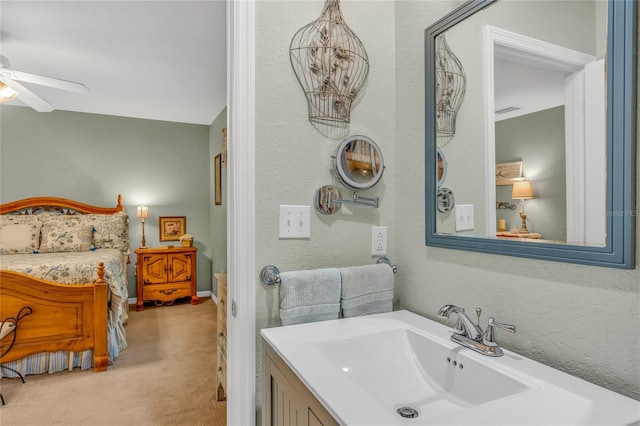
172,227
218,179
507,173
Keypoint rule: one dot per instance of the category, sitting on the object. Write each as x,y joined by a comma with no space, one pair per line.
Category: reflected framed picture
172,227
506,173
218,179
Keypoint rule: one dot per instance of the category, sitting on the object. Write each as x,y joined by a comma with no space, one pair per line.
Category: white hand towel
366,290
307,296
375,303
360,280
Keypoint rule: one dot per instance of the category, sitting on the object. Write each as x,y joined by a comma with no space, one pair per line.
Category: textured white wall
293,158
218,224
580,319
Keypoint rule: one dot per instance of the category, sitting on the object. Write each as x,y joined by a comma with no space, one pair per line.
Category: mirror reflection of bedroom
113,212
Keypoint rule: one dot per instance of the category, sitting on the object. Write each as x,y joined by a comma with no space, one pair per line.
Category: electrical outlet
378,240
294,221
464,217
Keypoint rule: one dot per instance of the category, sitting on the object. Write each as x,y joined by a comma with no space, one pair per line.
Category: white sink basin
401,368
364,369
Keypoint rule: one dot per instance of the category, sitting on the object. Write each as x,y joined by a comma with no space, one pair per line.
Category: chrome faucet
470,335
464,325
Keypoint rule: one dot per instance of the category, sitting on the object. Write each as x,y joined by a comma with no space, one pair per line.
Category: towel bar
270,275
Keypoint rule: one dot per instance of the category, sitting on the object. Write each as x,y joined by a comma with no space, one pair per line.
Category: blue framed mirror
579,169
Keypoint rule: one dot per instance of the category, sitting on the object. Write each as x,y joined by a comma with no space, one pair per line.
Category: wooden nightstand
532,235
165,274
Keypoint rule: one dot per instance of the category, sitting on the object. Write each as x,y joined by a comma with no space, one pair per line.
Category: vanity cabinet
286,400
165,274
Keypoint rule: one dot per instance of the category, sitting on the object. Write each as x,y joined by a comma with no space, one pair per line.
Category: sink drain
407,412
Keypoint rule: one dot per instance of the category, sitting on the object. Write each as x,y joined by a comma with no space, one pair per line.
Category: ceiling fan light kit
6,93
11,80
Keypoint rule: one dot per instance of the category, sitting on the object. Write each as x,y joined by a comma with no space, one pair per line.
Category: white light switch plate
464,217
294,221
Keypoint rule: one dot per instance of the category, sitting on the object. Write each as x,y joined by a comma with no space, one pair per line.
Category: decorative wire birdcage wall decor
331,65
451,84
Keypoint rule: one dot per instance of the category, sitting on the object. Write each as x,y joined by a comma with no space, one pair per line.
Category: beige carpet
167,376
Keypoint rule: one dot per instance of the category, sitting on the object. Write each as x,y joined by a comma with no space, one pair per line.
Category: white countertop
552,397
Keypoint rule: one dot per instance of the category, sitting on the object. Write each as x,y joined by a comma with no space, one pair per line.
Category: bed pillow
19,218
109,230
72,237
19,237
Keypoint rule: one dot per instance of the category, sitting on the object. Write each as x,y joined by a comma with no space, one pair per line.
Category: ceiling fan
10,86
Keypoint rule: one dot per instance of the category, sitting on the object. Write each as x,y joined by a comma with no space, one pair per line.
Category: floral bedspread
81,268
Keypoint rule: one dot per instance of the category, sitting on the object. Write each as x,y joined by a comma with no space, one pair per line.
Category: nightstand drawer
167,292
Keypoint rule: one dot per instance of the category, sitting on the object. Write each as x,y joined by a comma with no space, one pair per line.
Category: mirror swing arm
619,251
327,200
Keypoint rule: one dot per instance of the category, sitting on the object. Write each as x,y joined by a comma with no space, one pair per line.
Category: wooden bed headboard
63,205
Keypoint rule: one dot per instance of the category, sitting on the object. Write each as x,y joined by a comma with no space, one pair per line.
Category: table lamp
142,212
522,191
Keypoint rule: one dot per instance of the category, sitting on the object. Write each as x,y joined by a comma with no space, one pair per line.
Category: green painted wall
538,140
93,158
293,158
218,226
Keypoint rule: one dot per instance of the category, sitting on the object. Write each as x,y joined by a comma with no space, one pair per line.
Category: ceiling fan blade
28,97
41,80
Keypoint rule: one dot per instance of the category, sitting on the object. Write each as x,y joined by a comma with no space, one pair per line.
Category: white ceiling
527,88
159,60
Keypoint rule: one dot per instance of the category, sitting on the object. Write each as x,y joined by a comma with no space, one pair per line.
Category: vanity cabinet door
313,420
287,406
286,400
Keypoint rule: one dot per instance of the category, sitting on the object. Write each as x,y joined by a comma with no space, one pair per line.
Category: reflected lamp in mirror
522,191
142,213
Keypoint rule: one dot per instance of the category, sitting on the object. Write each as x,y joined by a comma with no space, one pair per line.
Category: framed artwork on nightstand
172,227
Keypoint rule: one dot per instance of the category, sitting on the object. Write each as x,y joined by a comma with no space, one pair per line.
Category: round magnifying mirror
441,167
358,163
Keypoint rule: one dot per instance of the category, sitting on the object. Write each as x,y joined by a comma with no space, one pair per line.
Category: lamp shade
142,212
522,190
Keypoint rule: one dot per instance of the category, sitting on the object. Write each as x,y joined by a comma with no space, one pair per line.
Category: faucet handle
478,313
489,338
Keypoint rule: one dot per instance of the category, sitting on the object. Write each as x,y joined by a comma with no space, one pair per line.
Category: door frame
241,267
